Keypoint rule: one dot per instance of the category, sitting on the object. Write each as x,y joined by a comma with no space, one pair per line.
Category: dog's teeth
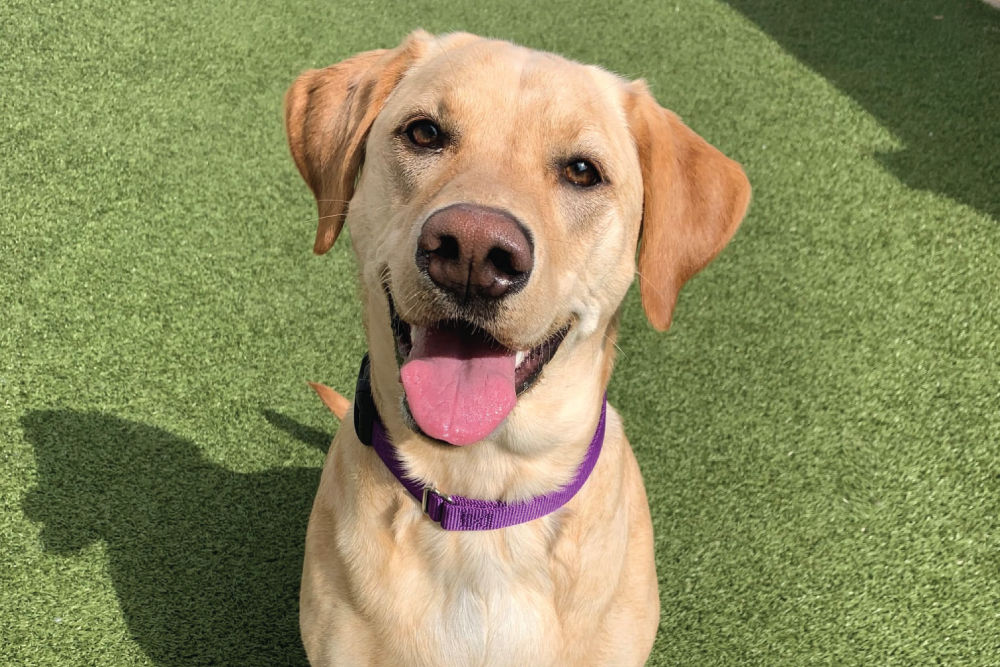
518,358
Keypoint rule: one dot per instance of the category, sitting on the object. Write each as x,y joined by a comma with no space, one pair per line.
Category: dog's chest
483,599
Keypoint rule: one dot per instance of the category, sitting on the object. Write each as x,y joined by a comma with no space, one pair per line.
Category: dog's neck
537,450
454,511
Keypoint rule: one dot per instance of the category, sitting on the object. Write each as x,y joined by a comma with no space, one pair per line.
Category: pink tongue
459,387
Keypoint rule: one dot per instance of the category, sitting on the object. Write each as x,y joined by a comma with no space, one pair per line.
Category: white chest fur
469,598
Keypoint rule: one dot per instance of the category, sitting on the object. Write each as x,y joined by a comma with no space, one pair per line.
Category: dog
497,198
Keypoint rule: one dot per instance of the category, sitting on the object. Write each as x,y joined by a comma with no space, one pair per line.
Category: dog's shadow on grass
205,561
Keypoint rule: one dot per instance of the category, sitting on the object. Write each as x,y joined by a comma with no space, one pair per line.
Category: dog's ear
694,198
328,113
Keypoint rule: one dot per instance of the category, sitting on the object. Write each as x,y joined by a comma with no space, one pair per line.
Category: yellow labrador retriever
486,507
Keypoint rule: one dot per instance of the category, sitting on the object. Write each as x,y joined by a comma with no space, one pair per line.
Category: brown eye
425,134
582,173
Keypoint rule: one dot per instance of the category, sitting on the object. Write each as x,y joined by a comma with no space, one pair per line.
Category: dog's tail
338,404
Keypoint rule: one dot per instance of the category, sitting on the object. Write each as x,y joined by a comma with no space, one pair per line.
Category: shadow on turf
205,561
927,70
307,434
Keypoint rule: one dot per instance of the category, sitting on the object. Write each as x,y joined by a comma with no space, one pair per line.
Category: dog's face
497,215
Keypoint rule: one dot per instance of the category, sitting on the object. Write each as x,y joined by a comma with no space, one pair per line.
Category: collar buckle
425,499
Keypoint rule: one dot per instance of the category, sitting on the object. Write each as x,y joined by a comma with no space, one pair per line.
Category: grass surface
819,432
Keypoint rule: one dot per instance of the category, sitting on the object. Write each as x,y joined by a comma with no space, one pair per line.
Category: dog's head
497,197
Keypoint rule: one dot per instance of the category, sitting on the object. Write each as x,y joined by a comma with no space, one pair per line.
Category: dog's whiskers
649,284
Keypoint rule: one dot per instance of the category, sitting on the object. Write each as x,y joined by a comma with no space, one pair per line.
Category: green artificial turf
819,432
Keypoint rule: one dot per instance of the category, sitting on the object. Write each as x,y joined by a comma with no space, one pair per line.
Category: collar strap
456,512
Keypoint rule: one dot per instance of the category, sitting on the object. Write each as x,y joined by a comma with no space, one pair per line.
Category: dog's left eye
425,134
582,173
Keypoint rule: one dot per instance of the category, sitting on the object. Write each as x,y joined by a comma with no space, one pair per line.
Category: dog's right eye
425,134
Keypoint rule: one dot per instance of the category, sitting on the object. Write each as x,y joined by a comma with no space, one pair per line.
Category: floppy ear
328,113
694,198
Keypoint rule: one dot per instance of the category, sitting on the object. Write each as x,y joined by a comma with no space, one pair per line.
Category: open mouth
459,381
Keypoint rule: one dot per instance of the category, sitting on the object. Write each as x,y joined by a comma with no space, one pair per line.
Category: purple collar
456,512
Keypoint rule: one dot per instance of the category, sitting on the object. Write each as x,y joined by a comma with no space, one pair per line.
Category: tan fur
382,584
338,404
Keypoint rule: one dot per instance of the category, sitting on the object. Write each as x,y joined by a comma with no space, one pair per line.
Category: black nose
475,252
